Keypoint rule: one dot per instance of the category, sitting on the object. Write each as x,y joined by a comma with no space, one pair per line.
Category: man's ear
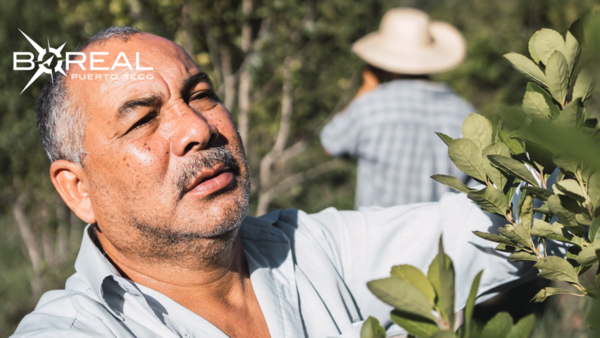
71,182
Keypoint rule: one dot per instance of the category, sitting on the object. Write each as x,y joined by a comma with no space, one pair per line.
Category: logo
45,58
42,65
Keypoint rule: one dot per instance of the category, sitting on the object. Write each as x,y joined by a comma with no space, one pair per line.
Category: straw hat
407,42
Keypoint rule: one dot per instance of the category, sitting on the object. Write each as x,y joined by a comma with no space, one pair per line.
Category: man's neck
218,290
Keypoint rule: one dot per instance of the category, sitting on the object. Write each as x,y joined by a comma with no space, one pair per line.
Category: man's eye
144,120
203,95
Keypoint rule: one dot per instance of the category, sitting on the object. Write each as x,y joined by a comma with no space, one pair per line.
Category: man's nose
192,131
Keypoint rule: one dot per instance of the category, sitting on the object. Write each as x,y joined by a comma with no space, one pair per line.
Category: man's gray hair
61,120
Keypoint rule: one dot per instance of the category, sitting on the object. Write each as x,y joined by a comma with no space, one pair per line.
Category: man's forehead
143,63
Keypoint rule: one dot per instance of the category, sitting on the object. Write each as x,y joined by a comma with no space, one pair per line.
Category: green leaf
514,146
535,106
494,238
526,213
415,277
556,268
526,67
453,183
543,229
497,176
587,256
514,168
531,46
566,162
557,76
403,296
523,328
543,209
490,200
549,291
506,248
594,232
471,304
467,157
517,235
372,329
593,189
534,87
444,334
548,41
570,188
572,51
522,256
539,193
566,210
498,327
477,129
445,138
584,86
541,157
572,116
447,276
416,326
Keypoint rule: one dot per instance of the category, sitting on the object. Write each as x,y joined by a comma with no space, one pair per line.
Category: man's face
166,167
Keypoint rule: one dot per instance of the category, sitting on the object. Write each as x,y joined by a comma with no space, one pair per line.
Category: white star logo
43,66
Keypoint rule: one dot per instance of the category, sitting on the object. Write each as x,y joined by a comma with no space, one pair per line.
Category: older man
151,159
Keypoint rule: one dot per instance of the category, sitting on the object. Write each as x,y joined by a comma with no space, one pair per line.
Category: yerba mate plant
424,305
505,161
565,189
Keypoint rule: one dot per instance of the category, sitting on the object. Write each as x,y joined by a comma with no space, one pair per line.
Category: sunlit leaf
490,200
467,157
477,129
403,296
494,238
594,231
372,329
570,188
534,87
572,51
539,193
514,146
584,86
526,67
557,76
549,291
497,176
535,106
522,256
548,41
556,268
415,277
517,235
416,326
445,138
514,168
453,183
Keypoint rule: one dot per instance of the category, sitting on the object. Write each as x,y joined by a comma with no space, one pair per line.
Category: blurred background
283,68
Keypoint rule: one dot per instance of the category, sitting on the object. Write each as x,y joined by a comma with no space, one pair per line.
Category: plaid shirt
391,130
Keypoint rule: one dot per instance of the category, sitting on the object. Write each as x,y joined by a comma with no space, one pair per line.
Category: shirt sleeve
341,135
372,240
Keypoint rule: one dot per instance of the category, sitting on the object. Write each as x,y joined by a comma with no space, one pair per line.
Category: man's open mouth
211,181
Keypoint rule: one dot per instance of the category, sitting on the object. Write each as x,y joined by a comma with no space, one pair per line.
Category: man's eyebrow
129,106
193,80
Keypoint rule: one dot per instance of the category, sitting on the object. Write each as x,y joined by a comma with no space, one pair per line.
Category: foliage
506,161
424,305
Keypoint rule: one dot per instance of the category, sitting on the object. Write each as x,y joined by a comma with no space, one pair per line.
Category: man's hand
370,82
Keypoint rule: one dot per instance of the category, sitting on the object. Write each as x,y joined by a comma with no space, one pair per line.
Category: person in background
391,123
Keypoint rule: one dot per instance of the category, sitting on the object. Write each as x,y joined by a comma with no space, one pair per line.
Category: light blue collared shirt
308,272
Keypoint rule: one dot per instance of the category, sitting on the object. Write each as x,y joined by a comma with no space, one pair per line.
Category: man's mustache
204,160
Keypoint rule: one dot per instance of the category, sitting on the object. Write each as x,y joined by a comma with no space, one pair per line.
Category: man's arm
370,241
